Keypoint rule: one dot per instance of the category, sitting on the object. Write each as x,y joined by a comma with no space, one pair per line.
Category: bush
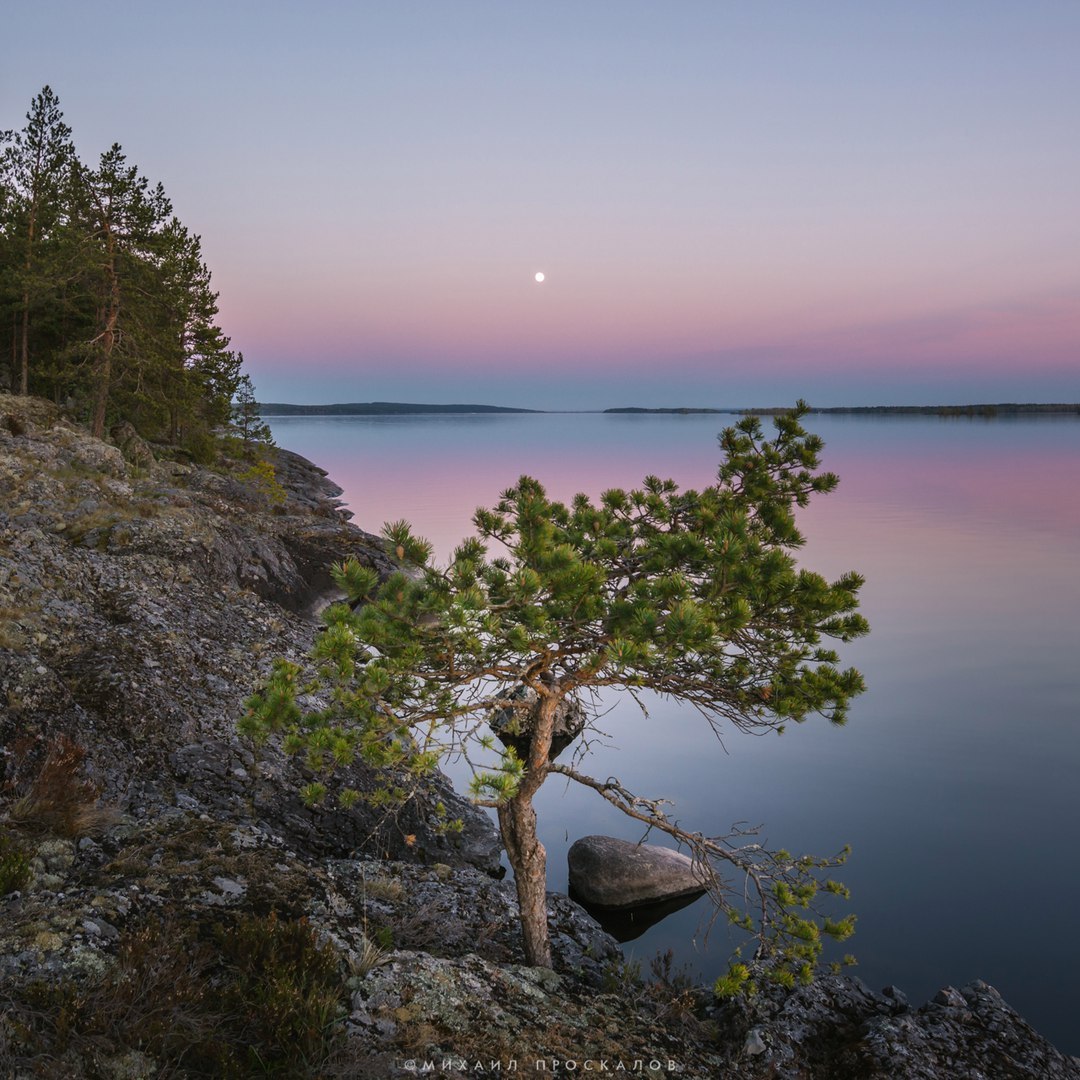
263,477
14,865
256,997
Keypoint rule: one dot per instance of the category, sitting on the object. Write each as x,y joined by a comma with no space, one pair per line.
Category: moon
539,275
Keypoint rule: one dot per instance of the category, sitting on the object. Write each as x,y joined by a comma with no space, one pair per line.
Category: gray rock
149,604
512,724
838,1028
610,873
755,1044
131,445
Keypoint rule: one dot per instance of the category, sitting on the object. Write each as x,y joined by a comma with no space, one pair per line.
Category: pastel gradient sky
734,203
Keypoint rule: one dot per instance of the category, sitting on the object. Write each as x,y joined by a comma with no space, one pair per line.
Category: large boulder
616,874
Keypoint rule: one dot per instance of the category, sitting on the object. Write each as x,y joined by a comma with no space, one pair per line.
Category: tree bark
517,823
103,368
102,378
24,349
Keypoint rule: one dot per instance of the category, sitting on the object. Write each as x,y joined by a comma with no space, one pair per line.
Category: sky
732,203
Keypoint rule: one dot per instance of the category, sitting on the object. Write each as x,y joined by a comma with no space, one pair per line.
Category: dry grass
61,800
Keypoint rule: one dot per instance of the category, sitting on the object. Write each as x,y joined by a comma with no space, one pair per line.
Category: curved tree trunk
517,823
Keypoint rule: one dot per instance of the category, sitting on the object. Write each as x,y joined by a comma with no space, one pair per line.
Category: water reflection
955,778
628,924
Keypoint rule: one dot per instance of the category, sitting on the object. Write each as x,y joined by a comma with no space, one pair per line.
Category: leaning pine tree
691,594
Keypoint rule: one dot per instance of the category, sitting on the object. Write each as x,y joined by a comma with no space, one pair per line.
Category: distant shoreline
400,408
378,408
1007,408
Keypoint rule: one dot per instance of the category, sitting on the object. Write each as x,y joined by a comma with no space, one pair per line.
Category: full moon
540,275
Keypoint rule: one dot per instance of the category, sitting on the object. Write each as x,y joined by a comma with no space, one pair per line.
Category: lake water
955,779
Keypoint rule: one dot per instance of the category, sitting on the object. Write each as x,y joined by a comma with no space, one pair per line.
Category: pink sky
733,204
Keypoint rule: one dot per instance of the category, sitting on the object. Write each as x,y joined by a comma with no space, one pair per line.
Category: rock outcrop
140,604
838,1027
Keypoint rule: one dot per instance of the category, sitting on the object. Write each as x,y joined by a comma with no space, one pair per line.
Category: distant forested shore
384,408
378,408
1001,409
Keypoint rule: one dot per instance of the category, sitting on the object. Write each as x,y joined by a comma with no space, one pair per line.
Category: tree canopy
105,300
694,594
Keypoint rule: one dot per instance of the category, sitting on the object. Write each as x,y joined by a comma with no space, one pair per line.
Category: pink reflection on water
929,481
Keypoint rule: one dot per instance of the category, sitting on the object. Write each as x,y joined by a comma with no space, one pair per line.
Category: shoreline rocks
142,603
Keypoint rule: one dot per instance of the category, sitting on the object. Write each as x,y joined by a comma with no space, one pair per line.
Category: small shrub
384,888
11,636
674,995
283,990
372,954
14,865
201,447
622,977
14,424
258,997
263,477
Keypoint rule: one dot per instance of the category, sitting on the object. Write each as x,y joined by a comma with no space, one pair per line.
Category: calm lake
955,779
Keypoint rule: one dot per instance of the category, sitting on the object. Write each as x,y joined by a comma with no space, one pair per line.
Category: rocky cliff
169,906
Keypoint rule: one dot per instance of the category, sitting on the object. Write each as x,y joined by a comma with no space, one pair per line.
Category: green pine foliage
694,594
106,304
247,422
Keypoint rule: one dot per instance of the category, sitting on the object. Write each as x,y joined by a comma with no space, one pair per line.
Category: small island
634,410
379,408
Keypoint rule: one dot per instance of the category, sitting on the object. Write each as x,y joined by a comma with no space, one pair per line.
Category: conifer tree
105,299
123,217
35,169
689,594
196,374
246,418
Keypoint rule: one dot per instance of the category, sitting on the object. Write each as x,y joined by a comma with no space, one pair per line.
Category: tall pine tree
35,169
123,218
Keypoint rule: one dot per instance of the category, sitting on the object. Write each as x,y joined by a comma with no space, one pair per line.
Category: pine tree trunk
517,823
102,378
24,348
24,369
103,368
